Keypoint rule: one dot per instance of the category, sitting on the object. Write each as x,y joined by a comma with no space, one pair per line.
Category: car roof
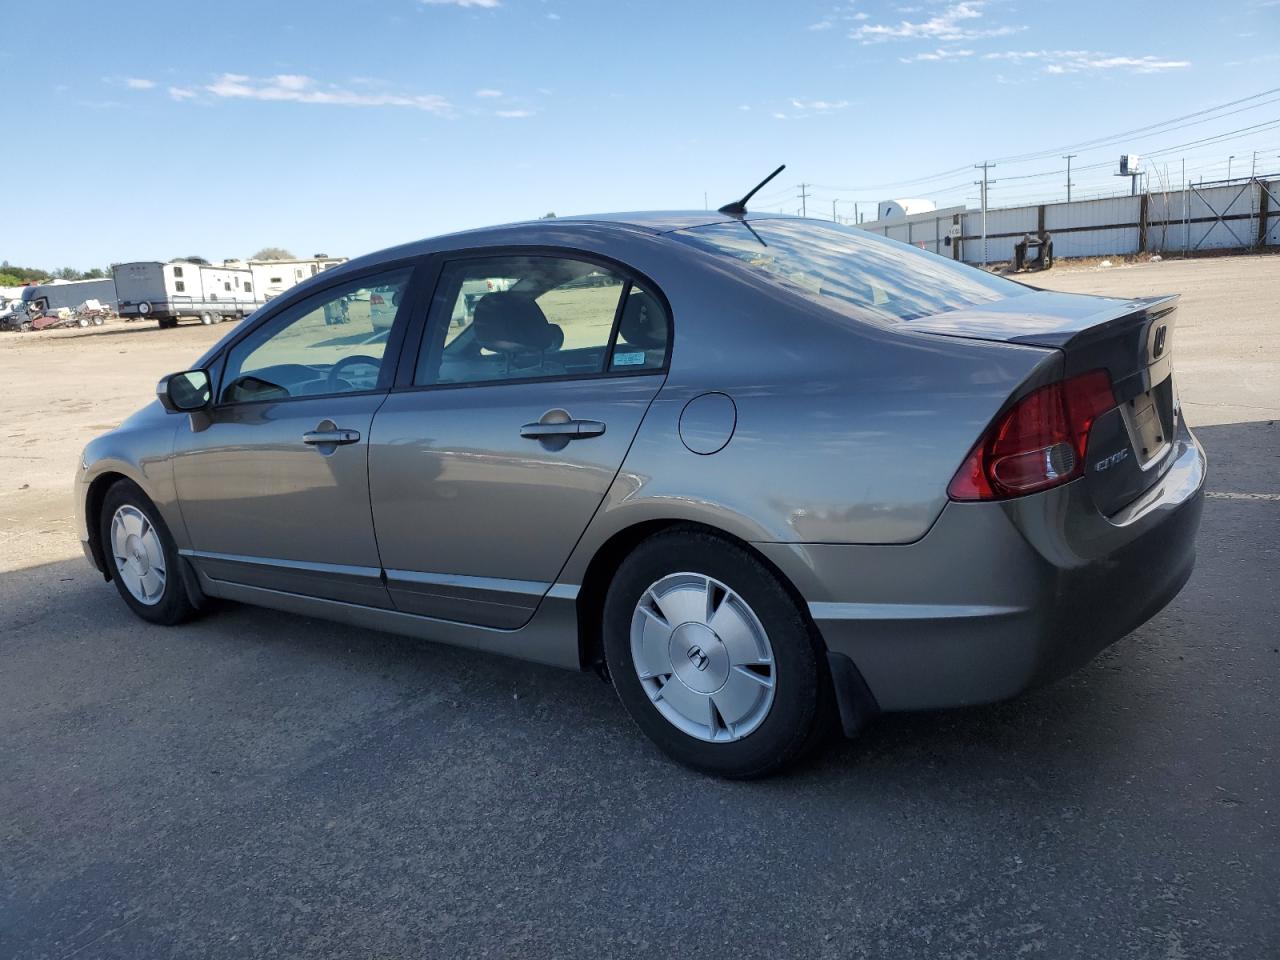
550,230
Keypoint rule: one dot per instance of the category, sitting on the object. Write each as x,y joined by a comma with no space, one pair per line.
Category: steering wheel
347,362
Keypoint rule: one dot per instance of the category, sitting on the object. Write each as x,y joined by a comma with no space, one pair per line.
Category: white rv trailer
168,292
273,277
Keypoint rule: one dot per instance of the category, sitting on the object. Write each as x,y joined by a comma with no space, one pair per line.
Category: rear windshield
852,270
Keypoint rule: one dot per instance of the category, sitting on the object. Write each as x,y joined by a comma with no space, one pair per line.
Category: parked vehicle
769,472
183,289
14,315
52,296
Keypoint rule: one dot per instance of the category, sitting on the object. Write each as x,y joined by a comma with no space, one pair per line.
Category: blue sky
152,130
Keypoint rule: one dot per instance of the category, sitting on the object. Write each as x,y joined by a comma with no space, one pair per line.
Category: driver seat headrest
507,322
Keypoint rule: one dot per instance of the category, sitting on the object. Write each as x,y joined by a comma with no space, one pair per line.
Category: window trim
392,357
418,335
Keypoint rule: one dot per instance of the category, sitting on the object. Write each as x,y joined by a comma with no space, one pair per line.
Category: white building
893,209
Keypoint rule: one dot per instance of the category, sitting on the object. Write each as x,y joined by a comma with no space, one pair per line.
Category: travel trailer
184,289
273,277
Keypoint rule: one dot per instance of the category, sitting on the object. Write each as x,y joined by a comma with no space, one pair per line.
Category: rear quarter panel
845,433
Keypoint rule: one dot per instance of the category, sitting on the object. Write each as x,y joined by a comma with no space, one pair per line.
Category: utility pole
984,166
834,218
1253,167
1069,157
705,205
1229,159
804,200
1186,209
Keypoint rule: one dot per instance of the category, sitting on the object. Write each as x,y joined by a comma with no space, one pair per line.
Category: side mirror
184,392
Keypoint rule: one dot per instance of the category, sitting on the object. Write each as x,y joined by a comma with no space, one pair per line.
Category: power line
1084,145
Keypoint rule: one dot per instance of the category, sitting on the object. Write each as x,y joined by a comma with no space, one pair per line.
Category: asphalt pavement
261,785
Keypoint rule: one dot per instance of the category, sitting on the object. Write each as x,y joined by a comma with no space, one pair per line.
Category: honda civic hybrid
768,476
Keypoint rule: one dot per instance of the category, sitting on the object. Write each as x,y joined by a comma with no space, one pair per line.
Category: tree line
12,275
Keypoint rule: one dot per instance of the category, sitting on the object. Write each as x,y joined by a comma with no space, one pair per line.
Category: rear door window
539,317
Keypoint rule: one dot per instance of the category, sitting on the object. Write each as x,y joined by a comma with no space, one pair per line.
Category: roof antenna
739,207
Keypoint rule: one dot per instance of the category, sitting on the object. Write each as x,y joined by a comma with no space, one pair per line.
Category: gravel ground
261,785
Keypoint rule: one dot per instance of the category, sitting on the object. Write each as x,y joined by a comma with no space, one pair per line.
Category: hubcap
138,554
702,657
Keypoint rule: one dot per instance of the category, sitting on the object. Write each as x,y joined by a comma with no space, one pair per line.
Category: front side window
521,317
851,269
330,343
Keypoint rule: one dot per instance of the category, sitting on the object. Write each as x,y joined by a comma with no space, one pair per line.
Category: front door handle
336,436
567,429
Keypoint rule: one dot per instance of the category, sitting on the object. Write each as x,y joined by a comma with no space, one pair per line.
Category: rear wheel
141,556
712,658
208,319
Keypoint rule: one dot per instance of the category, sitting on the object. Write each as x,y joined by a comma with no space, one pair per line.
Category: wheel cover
702,657
139,557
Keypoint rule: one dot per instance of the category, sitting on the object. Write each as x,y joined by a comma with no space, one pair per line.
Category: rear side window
857,272
531,317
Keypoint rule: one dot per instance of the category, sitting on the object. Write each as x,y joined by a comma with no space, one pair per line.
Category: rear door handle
569,429
335,437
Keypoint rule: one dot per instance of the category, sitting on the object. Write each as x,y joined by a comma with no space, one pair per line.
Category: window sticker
631,359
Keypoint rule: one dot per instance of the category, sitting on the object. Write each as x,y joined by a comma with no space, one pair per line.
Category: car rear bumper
1001,597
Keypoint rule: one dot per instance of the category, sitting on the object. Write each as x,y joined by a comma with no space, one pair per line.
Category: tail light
375,298
1038,443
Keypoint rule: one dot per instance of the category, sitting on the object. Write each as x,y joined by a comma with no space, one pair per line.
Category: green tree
273,253
10,280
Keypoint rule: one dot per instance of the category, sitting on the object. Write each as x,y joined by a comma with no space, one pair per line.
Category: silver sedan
767,475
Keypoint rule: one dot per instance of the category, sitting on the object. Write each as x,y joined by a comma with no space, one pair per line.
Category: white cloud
819,106
181,93
488,92
953,23
295,88
138,83
838,15
1059,62
486,4
939,54
513,114
553,16
744,108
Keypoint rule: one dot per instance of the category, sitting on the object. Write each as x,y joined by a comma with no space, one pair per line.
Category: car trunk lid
1132,340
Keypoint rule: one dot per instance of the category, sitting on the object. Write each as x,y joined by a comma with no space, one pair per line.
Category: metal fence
1237,215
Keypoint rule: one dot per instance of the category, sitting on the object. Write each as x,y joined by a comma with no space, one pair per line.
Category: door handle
336,437
568,429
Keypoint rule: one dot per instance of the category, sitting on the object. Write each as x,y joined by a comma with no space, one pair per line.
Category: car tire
207,319
141,557
746,740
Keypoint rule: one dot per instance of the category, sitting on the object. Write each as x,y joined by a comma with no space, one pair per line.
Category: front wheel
712,658
141,556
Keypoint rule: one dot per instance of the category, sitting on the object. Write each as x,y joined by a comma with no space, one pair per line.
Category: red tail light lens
1038,443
